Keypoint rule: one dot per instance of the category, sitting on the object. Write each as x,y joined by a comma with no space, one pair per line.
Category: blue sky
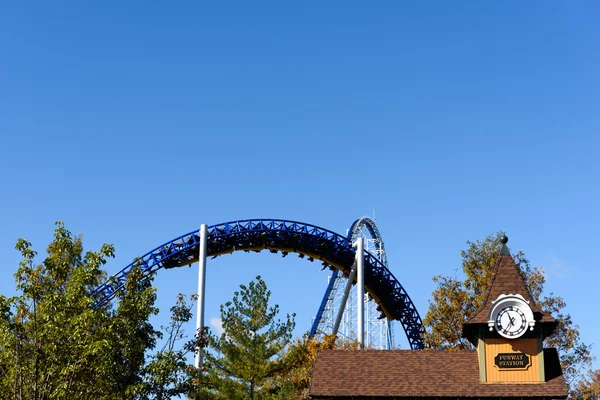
134,123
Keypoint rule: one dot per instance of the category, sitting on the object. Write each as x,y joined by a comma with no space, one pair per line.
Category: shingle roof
507,279
426,373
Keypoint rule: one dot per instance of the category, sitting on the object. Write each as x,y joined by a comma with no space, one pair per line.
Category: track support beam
338,318
360,292
201,289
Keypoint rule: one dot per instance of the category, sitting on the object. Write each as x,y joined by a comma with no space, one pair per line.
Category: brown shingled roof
507,279
408,374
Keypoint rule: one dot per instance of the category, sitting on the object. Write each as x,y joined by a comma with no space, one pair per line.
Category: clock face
511,322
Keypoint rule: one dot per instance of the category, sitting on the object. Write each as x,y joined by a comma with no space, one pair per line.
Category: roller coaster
334,251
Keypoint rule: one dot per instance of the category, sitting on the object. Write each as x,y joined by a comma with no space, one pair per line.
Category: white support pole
340,313
201,289
368,319
360,282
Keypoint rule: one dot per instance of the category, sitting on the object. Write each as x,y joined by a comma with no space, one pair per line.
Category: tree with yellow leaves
457,299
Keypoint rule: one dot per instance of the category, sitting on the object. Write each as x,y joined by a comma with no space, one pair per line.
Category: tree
587,388
300,356
49,336
455,301
132,335
55,345
168,373
244,361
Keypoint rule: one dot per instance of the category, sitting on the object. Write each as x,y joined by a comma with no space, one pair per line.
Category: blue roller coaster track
315,243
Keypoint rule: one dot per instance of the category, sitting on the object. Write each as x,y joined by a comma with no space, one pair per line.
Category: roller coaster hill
387,299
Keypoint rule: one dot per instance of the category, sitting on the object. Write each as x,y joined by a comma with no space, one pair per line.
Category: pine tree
244,361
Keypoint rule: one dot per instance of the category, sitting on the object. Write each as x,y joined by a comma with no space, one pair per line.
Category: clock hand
512,320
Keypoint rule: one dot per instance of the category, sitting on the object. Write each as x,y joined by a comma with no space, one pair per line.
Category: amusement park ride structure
359,258
378,329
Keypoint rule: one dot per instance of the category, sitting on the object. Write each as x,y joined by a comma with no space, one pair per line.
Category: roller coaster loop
333,250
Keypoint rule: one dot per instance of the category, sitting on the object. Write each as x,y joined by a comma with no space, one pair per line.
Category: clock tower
510,328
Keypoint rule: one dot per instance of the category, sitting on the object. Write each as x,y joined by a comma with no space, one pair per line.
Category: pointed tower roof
506,279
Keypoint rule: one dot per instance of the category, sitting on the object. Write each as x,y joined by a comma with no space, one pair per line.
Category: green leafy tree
455,300
55,345
245,360
132,335
168,373
48,336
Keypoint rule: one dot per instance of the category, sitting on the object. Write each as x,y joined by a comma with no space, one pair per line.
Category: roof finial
504,251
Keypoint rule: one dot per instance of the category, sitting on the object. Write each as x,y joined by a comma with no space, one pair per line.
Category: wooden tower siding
531,347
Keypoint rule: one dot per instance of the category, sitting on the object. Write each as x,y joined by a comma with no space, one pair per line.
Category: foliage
245,360
587,388
168,373
132,332
299,358
55,345
50,337
454,301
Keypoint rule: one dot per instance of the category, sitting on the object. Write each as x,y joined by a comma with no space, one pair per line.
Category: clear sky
134,122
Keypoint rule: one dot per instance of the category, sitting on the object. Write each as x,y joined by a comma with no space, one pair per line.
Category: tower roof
506,279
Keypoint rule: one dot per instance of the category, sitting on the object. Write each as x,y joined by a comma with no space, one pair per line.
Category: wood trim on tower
481,357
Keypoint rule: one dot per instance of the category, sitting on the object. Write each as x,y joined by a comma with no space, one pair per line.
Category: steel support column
360,292
338,318
201,289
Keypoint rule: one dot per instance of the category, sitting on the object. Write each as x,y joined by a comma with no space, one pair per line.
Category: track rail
316,243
